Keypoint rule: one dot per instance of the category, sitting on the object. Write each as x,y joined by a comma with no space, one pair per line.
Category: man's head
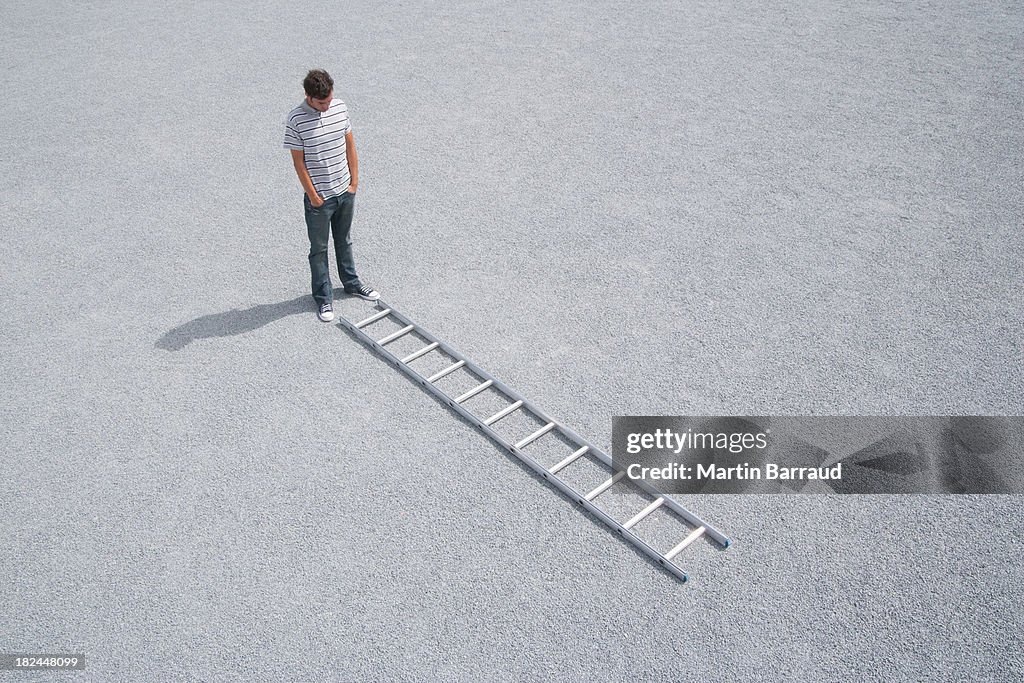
319,87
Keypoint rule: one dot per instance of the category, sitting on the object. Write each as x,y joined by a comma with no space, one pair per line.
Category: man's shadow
233,322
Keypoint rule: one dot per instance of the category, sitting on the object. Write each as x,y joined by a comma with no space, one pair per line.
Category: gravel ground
659,208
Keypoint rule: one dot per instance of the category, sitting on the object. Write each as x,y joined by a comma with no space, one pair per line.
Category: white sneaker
364,292
326,312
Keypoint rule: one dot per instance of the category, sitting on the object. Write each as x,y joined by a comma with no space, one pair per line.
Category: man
319,135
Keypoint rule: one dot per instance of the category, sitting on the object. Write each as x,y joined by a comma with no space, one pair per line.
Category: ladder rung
474,391
422,352
536,435
497,416
447,371
605,486
643,513
395,335
697,533
374,318
568,461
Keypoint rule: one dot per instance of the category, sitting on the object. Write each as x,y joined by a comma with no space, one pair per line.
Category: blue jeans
333,216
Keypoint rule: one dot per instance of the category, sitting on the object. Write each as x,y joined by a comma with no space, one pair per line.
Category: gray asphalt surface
649,208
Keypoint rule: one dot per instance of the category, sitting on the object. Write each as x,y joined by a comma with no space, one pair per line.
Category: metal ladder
518,402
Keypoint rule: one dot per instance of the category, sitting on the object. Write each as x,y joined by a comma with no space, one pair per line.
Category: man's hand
317,202
351,188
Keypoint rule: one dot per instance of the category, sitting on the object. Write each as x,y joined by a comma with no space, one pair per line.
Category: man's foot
326,312
364,292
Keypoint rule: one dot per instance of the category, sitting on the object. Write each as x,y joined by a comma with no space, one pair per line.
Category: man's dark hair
318,84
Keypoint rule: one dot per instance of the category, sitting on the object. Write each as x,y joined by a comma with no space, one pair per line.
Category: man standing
319,135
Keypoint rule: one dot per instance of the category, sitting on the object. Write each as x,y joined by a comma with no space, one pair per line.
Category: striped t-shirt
321,136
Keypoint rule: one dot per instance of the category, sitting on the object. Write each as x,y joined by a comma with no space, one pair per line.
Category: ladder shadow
576,505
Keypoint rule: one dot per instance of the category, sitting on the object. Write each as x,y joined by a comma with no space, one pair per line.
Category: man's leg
341,226
318,227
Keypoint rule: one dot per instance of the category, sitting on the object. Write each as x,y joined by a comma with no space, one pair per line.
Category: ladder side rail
573,494
627,534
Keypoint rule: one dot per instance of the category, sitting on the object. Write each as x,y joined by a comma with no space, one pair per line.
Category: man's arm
353,160
299,161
